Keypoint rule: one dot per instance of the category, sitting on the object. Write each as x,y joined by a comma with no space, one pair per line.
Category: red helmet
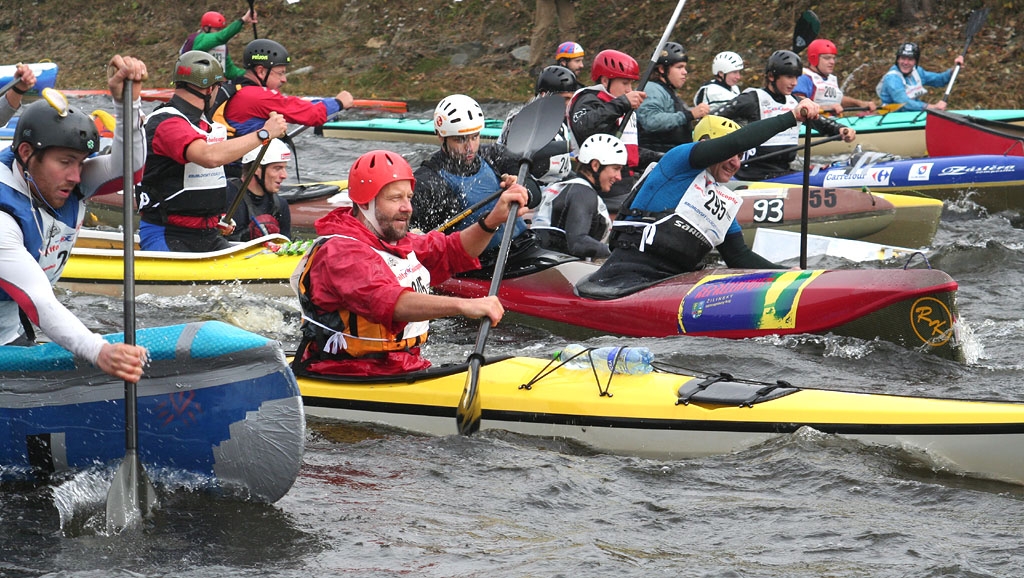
373,171
819,47
213,20
614,64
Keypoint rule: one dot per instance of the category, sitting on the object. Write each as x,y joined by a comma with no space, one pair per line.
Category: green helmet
43,126
198,68
264,52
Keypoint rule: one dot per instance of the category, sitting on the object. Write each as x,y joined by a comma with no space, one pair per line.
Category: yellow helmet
712,126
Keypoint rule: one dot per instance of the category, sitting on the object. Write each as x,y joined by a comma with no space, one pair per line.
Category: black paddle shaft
531,129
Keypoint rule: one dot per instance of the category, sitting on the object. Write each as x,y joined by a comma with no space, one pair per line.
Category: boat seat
721,390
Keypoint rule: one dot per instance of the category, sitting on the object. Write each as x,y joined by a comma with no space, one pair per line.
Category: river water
374,501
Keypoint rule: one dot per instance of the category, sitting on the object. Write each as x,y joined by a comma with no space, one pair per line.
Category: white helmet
604,148
726,62
277,152
457,115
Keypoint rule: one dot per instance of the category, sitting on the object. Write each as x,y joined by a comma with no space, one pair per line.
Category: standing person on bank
683,209
364,284
46,176
664,119
12,100
728,70
262,211
776,98
820,85
181,198
213,36
904,84
545,15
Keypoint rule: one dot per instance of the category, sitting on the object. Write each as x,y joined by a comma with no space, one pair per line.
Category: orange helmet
373,171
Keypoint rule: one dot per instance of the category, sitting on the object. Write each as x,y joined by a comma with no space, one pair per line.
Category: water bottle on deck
630,360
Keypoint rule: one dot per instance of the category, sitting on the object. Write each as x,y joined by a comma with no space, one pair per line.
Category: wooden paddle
650,65
530,130
805,31
455,220
974,23
131,494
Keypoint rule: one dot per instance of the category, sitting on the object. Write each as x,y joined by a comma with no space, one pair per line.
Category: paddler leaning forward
682,209
363,285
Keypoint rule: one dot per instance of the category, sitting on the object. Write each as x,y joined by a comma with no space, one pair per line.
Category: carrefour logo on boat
920,171
858,177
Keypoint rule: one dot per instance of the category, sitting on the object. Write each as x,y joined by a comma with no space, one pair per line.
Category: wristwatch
264,135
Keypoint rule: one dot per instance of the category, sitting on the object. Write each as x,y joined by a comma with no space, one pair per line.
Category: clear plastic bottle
632,360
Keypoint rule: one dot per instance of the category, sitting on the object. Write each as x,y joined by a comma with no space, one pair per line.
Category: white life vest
826,90
769,108
542,217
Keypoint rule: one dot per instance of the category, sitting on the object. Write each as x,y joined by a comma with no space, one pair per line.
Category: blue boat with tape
216,403
993,181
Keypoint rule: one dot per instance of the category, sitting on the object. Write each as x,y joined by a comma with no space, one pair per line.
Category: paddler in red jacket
363,286
251,99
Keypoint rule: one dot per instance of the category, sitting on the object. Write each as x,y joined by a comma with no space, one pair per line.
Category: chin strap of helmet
370,214
204,96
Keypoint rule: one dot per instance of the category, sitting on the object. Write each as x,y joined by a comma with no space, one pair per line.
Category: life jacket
912,84
221,98
662,141
715,93
769,107
684,235
169,188
475,188
189,42
629,134
261,224
826,90
342,335
543,218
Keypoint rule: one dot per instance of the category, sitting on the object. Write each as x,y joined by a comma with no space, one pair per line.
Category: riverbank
424,49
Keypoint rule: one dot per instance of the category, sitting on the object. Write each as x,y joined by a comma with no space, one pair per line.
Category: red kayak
915,308
950,134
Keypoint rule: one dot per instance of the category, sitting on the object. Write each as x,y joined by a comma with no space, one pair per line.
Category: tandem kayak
950,134
915,308
215,402
901,133
671,415
993,181
96,265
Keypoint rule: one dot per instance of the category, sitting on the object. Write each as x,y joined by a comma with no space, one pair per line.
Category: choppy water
372,501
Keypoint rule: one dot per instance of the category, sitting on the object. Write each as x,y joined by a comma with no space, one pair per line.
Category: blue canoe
993,181
217,403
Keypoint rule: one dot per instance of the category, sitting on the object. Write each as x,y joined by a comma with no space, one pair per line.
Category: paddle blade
468,413
806,30
974,24
535,125
131,496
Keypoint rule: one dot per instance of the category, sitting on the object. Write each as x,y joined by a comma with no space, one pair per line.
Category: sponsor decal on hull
753,301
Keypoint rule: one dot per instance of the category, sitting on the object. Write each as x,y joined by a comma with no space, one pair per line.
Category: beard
392,230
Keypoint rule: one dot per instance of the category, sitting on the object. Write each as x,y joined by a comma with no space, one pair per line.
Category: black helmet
910,49
672,53
264,52
556,79
43,126
783,63
198,68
